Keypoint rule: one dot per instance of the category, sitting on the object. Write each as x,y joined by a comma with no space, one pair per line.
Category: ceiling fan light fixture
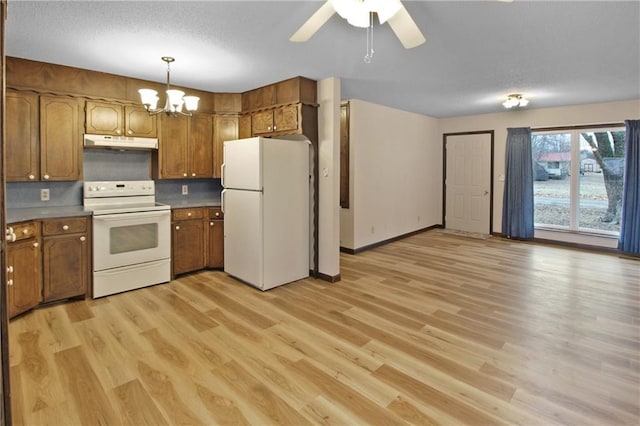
515,100
175,98
385,9
356,12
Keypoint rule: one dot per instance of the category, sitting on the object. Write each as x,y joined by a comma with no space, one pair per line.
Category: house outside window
578,179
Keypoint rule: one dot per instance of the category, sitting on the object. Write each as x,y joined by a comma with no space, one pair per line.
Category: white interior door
468,182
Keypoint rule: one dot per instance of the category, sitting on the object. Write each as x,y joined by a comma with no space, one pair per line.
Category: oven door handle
137,215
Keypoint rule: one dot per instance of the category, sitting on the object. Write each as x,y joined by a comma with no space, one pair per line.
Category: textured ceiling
556,52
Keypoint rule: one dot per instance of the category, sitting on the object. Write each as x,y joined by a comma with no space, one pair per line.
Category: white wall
329,176
395,175
612,112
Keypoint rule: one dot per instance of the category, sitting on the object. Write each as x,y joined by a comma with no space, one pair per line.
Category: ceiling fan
358,13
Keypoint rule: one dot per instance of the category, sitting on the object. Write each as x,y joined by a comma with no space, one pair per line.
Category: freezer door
243,235
242,165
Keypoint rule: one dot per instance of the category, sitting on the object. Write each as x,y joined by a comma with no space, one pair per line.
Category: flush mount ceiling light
515,100
175,98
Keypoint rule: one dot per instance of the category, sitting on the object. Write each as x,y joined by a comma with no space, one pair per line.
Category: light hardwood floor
432,329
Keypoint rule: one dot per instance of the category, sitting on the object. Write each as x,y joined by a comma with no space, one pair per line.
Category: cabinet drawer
25,230
185,214
68,225
215,213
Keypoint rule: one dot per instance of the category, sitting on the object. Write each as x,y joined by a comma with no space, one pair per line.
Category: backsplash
104,164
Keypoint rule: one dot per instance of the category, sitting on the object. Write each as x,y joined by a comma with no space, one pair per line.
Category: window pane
551,188
601,170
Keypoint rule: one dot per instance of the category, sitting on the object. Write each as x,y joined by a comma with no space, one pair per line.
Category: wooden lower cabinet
197,239
215,249
65,258
188,245
24,270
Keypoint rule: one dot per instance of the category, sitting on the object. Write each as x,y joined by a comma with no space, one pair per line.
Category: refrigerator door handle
222,200
222,167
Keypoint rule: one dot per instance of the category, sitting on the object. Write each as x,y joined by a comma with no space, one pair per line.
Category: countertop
178,203
35,213
15,215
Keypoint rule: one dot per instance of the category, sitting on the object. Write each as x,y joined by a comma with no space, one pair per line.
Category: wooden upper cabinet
172,151
22,140
280,120
262,97
138,122
186,147
244,126
200,146
60,139
225,128
297,89
104,118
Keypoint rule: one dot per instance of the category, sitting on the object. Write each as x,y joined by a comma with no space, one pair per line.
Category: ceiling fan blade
406,29
313,24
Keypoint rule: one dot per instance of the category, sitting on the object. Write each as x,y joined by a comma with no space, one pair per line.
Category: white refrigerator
266,210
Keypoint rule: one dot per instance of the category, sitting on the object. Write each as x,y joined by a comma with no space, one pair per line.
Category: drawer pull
10,269
212,223
65,227
25,232
83,238
189,214
10,282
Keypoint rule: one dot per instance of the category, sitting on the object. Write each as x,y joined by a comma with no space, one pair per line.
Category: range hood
120,142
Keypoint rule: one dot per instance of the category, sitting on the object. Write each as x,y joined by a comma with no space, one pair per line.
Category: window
578,179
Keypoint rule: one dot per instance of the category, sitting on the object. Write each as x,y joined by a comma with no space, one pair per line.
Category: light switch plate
44,194
185,189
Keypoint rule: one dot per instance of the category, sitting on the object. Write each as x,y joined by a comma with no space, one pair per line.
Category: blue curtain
629,240
517,206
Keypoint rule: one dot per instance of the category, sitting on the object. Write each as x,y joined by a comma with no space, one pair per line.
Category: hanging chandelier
176,99
515,100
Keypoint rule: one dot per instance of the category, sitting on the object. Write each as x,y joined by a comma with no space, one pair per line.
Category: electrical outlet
44,194
185,189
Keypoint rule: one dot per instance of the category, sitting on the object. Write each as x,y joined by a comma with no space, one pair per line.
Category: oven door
124,239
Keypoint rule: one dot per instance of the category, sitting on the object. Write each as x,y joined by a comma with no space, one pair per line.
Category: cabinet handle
184,174
25,232
65,227
189,214
10,282
83,238
217,214
31,177
10,269
274,127
46,177
129,132
36,244
212,223
193,174
10,235
177,227
118,131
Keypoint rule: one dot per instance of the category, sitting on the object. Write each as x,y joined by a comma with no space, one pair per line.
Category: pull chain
369,55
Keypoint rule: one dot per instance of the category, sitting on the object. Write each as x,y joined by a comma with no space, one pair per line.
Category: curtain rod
584,126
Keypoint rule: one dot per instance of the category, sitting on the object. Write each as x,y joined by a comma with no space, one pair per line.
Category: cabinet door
188,246
65,266
216,244
102,118
225,128
172,153
60,139
24,276
138,122
244,126
22,137
286,118
200,146
262,122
